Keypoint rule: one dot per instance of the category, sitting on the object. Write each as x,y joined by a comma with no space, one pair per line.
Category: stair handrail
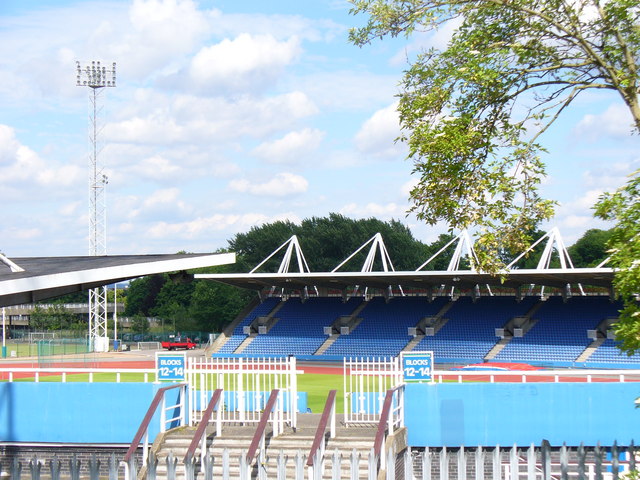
143,430
328,415
200,436
259,435
388,421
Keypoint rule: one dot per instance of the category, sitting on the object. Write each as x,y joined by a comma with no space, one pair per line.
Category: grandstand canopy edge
464,279
29,279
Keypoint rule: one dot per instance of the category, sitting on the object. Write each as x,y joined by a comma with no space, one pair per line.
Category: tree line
326,242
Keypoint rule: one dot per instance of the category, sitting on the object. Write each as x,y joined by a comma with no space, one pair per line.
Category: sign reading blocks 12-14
417,366
170,367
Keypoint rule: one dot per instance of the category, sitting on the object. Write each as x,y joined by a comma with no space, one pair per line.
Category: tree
623,207
473,114
142,293
214,305
591,249
140,324
54,317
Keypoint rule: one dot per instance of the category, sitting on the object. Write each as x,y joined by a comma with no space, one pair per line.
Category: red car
187,344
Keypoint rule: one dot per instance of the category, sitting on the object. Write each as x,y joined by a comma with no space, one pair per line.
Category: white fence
366,381
488,463
247,383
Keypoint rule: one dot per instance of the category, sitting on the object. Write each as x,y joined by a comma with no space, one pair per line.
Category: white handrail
64,371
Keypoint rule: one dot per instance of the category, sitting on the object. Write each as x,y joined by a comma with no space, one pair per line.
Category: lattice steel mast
96,77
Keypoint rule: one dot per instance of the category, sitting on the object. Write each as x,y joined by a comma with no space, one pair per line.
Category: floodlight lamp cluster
95,75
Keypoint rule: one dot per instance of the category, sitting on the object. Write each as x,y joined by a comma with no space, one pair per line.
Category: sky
228,115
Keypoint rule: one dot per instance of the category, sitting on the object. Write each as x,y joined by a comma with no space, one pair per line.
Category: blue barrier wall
488,414
76,412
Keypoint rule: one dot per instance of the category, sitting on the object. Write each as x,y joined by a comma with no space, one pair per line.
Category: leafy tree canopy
327,241
623,207
472,114
591,249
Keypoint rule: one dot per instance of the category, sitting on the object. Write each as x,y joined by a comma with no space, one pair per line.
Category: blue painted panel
507,413
76,412
255,401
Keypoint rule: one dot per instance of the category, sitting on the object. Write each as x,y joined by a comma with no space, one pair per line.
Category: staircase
175,442
352,321
436,322
245,343
497,348
526,322
235,441
590,350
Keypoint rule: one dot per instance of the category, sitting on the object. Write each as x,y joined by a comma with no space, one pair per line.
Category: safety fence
366,382
246,383
89,374
531,376
489,463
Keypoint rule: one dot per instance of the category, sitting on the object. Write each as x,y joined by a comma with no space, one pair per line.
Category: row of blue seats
560,331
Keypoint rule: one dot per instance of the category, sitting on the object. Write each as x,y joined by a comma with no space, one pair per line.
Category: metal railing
200,436
366,381
316,453
11,374
453,463
555,376
129,461
391,419
246,383
273,409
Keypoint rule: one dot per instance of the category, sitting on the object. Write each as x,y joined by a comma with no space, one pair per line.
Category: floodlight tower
96,77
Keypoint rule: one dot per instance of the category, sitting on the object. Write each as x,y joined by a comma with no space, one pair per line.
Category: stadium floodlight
96,77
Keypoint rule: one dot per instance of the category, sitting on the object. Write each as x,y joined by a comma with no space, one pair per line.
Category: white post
115,312
4,336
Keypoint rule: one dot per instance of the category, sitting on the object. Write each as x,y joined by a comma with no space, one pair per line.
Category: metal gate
247,383
366,381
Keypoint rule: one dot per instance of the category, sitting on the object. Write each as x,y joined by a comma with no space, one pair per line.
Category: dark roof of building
38,278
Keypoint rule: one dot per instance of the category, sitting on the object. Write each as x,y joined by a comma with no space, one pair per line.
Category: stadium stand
470,332
299,329
383,330
465,333
560,334
238,336
608,354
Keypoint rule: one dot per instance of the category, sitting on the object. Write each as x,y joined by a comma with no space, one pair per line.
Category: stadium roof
304,279
25,280
463,279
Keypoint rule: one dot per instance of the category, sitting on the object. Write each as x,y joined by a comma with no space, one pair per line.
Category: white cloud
351,90
156,36
614,122
377,135
408,186
157,168
24,173
247,62
277,25
162,120
293,147
160,204
372,209
282,185
203,226
611,175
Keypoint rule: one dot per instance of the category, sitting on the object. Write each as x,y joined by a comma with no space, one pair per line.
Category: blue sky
229,114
